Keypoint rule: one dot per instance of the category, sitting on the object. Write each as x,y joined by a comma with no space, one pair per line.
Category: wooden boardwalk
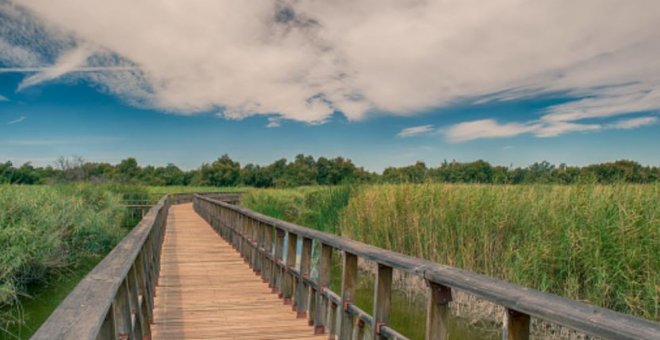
207,291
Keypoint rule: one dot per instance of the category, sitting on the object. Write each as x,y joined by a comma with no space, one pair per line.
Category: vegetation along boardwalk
210,270
206,290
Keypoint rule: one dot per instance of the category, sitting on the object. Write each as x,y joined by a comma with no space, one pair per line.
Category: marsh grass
48,231
594,243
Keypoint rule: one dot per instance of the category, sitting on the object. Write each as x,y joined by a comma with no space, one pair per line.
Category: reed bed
595,243
46,232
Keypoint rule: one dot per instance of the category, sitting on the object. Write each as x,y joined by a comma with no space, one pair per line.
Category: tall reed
596,243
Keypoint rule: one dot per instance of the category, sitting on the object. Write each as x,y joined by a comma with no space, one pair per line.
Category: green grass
47,232
595,243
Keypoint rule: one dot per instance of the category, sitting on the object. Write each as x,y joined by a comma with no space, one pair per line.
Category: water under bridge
202,267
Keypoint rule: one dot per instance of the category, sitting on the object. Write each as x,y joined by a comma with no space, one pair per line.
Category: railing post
437,312
268,263
516,325
382,298
122,313
305,268
358,330
322,305
288,287
348,286
332,320
144,291
135,304
257,233
107,330
277,270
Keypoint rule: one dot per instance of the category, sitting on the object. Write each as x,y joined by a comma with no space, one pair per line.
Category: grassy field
595,243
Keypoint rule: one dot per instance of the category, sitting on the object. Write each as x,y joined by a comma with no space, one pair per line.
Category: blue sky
401,82
54,120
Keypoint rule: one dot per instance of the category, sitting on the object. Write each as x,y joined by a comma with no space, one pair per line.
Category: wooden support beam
382,300
277,272
516,325
288,281
437,312
348,287
322,304
302,293
268,245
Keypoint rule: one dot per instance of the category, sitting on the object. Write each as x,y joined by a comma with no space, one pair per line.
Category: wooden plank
206,290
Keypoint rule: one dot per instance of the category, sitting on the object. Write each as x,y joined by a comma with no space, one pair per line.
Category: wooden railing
261,241
115,300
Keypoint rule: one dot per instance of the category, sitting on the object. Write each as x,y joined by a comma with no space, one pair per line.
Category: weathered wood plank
206,290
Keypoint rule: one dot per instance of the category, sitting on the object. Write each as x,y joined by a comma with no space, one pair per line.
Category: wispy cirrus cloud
490,128
3,98
304,60
17,120
634,123
415,131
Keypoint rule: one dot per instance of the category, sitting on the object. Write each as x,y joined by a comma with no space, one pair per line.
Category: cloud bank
303,60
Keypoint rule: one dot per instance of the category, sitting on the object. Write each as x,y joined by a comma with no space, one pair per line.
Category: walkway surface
207,291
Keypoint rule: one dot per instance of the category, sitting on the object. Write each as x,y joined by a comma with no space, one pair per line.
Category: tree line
306,170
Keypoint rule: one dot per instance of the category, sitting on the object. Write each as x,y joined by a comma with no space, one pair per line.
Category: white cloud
306,59
634,123
3,98
67,62
17,120
485,128
489,128
554,129
415,131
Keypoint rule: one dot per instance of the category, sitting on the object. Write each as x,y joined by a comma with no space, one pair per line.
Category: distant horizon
290,159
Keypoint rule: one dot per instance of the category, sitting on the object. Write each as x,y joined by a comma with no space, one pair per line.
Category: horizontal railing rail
261,239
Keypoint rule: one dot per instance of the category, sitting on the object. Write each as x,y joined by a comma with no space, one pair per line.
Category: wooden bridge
214,270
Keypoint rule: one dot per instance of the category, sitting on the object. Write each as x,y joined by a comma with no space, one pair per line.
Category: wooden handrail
115,300
253,235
